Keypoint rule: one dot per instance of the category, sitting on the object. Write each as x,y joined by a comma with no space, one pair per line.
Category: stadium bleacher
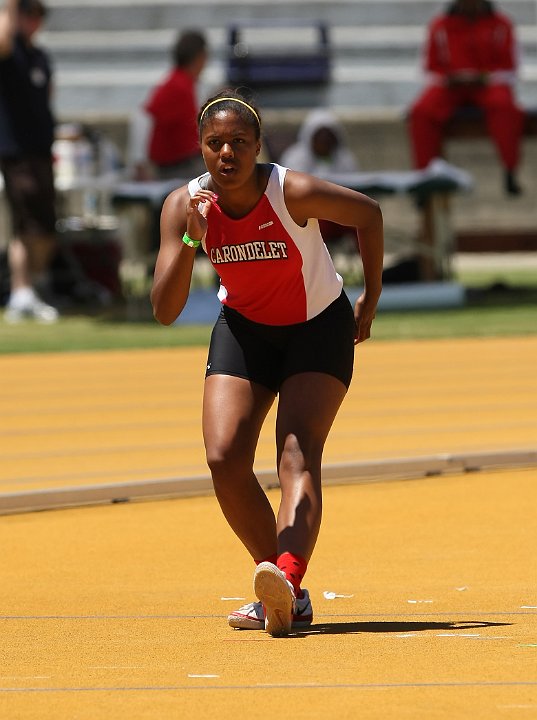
108,53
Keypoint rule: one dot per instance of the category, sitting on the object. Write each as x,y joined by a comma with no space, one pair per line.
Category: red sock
271,559
294,568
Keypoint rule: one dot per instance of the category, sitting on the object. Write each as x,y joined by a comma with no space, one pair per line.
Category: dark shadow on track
343,628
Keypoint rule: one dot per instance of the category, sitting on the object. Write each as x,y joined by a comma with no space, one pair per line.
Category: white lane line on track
313,686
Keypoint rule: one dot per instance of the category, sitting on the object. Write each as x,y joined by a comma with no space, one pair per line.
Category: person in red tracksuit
470,59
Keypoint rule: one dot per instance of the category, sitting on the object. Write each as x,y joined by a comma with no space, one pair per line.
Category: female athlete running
286,330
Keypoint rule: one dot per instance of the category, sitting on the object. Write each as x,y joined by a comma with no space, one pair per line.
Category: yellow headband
250,108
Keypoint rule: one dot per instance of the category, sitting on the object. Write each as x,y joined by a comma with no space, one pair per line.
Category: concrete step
143,15
97,90
379,44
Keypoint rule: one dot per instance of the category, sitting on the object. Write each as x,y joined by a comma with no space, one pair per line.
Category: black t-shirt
26,120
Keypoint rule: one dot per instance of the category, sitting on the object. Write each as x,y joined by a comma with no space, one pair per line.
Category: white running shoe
278,598
25,304
248,617
252,616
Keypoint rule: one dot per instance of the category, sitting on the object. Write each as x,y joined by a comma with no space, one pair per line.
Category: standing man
173,144
26,137
470,59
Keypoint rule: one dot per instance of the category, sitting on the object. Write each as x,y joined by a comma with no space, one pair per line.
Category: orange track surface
90,418
117,611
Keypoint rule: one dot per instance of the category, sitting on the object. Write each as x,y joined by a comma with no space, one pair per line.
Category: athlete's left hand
364,314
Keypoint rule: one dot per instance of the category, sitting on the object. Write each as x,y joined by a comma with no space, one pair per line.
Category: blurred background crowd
110,92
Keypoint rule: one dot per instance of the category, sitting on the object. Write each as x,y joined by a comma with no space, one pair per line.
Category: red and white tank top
271,270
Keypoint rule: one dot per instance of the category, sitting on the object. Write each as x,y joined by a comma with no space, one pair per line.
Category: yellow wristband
191,243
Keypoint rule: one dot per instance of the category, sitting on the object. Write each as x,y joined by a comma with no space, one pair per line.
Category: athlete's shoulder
299,184
177,199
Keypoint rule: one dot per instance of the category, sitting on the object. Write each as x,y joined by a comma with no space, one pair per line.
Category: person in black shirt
26,137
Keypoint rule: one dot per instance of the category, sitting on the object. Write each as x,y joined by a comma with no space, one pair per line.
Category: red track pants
437,104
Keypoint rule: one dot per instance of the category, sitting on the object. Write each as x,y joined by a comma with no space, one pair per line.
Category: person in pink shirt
173,108
286,330
470,59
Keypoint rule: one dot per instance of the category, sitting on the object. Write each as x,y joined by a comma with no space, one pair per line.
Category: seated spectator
470,59
321,148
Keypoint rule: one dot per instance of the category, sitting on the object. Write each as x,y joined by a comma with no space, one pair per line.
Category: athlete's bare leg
233,413
308,404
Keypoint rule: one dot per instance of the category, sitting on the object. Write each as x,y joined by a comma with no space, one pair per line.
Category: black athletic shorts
269,354
29,187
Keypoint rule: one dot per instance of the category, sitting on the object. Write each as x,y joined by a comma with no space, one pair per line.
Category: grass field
499,303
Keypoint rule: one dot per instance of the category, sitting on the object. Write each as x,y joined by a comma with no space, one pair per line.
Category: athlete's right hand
197,209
